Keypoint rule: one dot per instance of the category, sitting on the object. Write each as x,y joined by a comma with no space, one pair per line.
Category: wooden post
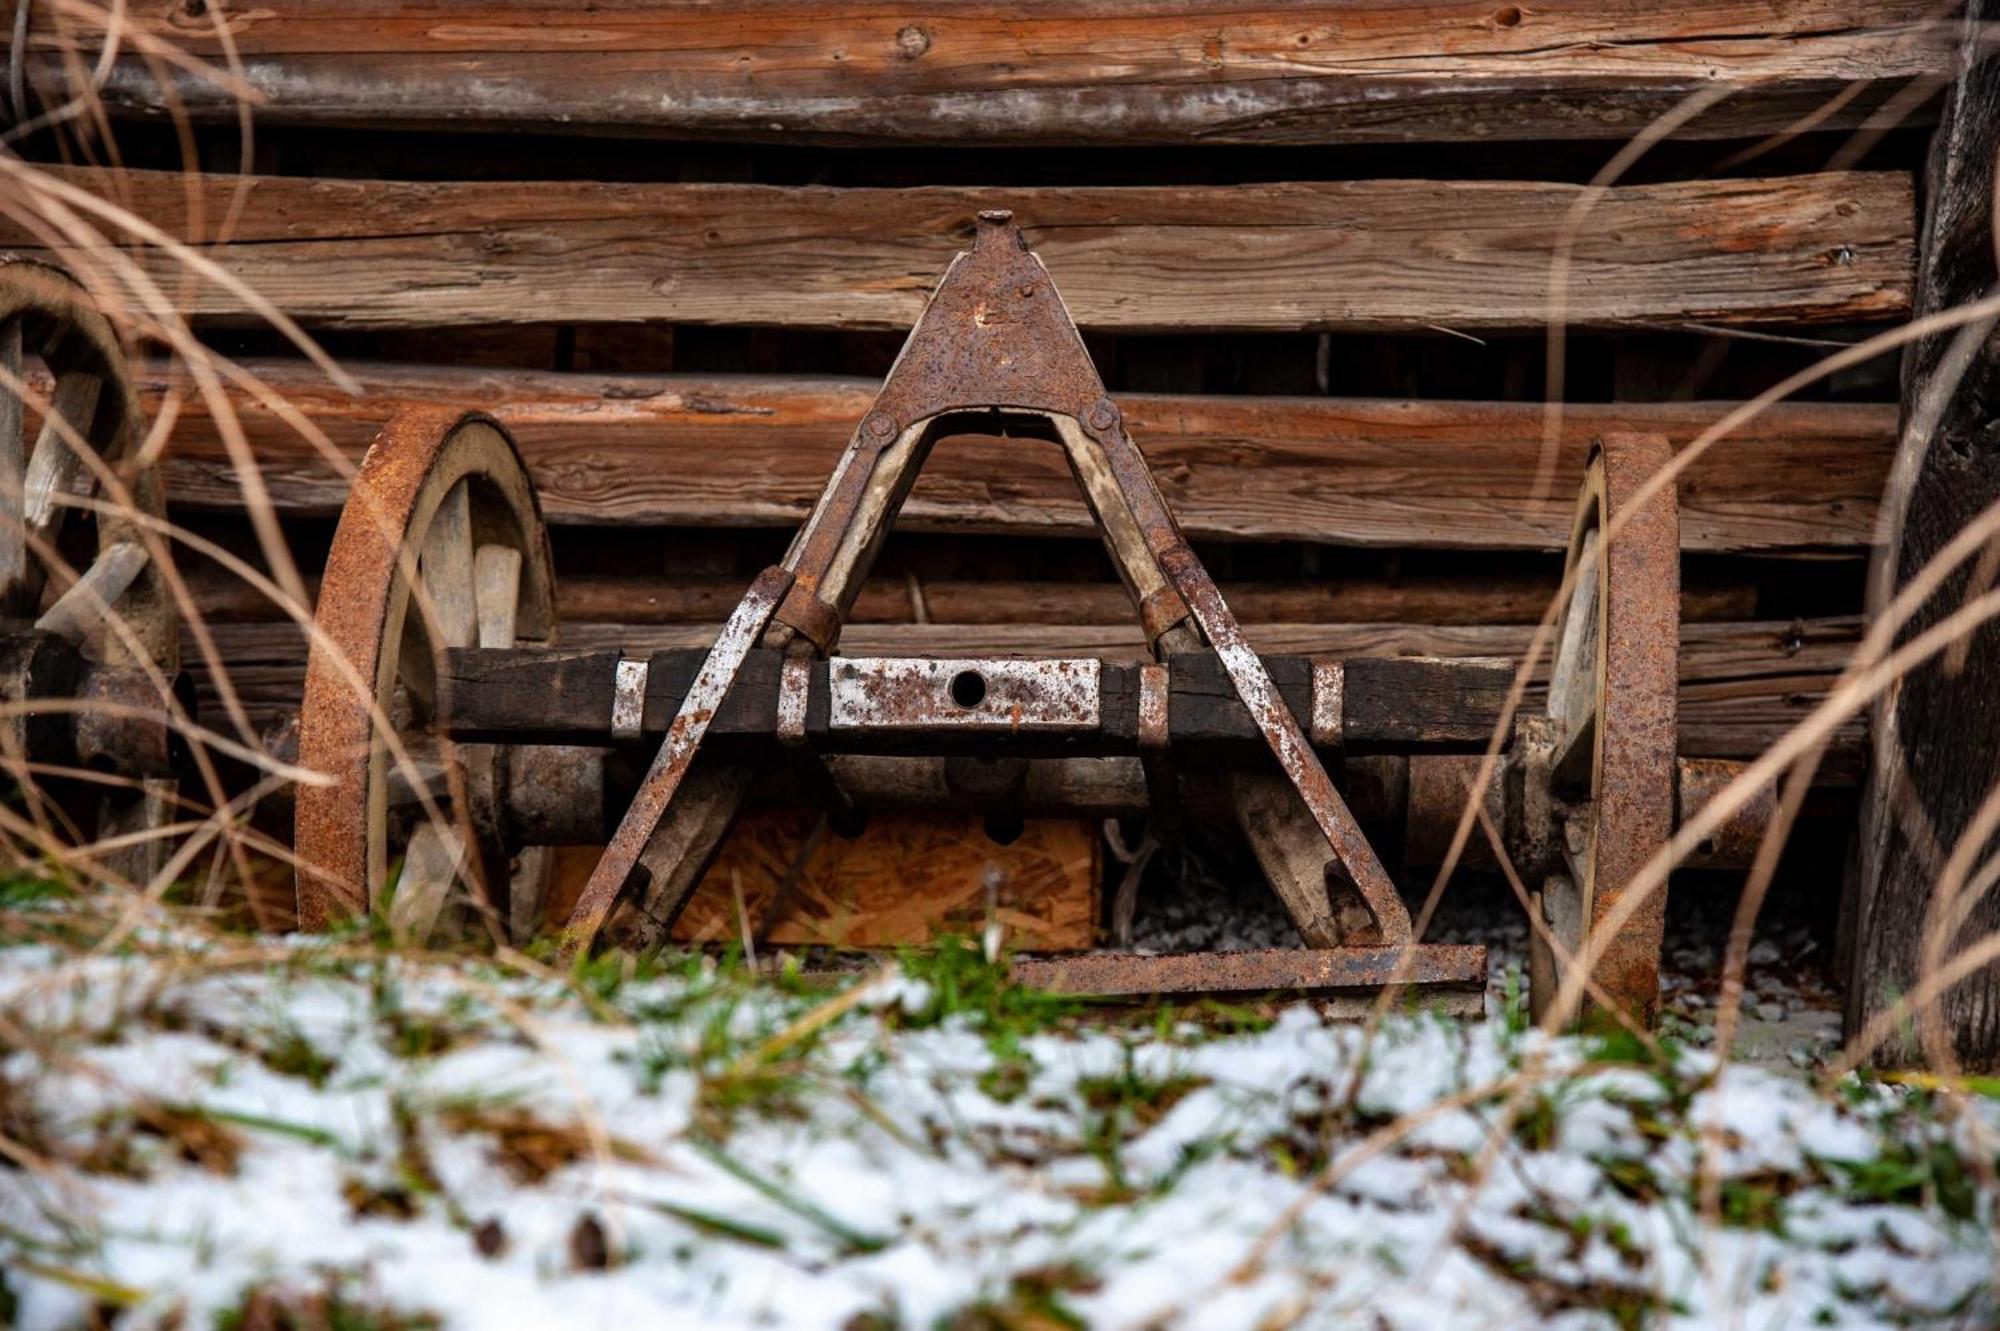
1936,749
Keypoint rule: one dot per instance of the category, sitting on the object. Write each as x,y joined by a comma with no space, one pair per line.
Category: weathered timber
1362,255
683,451
1936,756
1742,685
675,598
566,696
1072,72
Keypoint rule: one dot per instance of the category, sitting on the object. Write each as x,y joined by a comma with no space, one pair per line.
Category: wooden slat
1365,254
708,599
756,452
1742,685
1072,71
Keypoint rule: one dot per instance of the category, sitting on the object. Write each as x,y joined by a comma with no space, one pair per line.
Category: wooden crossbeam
747,451
1065,73
1742,684
1395,255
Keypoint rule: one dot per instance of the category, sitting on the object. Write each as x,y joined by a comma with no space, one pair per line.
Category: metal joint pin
628,699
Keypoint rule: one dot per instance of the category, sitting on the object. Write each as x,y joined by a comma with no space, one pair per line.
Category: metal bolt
1103,414
878,425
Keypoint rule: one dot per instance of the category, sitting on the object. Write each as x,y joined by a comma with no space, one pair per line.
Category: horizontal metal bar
1001,695
1308,971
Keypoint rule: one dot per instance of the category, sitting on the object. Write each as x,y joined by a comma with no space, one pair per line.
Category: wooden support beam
1063,73
1742,685
748,451
1936,759
708,599
1381,255
566,695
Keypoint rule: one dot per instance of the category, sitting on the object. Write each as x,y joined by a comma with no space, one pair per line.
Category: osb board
908,878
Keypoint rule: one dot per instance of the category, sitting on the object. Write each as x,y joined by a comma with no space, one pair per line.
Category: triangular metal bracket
995,340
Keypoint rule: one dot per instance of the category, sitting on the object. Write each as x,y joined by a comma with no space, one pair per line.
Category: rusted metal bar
1288,743
1001,696
677,754
1454,974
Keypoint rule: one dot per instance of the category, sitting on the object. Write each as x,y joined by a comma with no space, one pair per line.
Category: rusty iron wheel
87,574
441,544
1611,704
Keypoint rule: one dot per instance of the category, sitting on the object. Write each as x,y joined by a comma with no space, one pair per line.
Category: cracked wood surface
1381,255
1048,72
751,451
1742,684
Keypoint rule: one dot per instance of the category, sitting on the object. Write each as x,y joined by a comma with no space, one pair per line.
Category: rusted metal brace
677,753
1289,744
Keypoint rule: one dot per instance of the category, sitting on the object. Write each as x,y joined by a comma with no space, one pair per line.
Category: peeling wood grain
745,451
1356,255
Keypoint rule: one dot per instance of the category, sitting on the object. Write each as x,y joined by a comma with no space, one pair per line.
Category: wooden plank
1937,760
566,695
908,878
1068,72
683,451
1742,685
1360,255
708,599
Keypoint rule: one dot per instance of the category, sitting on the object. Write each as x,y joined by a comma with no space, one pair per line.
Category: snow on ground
203,1134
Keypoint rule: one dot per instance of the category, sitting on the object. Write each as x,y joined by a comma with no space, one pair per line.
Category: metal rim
1612,701
55,340
441,497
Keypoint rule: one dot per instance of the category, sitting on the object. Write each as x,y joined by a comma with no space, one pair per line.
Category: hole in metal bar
968,688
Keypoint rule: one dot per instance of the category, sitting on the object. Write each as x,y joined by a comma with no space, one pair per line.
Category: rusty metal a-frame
995,351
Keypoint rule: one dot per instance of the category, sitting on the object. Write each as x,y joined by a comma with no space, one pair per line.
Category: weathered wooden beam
1742,685
1937,753
1364,255
1071,72
708,599
681,451
566,695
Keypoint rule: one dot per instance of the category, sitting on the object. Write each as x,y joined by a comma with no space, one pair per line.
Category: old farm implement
464,740
89,635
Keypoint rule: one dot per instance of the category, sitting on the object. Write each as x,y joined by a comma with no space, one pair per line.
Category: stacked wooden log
679,283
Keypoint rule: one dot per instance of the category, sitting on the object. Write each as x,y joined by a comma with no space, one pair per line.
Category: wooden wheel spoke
497,591
422,777
85,604
13,472
57,476
431,865
52,477
445,568
1574,700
